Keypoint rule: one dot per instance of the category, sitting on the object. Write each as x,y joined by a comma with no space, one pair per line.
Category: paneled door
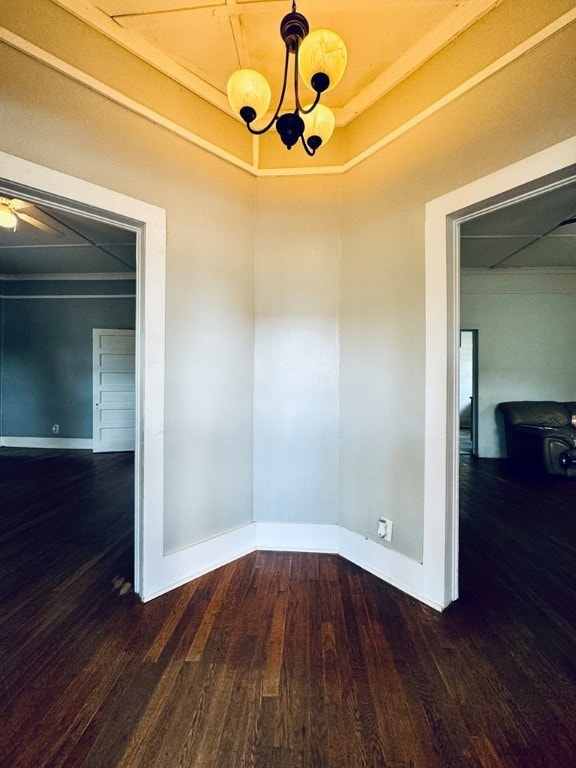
113,366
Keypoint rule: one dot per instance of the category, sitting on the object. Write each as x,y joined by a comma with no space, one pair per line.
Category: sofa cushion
541,413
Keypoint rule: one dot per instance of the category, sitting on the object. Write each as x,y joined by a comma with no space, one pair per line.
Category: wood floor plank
337,741
203,633
139,750
294,659
175,616
275,647
398,728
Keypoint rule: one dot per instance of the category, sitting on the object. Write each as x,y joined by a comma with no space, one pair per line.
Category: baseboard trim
178,568
297,537
46,442
388,565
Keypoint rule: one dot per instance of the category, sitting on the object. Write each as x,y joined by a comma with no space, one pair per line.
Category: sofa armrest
554,450
530,446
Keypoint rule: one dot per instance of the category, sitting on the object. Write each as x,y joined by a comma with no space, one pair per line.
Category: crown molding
39,54
145,51
527,45
103,276
416,56
516,271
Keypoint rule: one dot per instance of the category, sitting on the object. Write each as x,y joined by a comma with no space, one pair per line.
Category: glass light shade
322,51
8,218
319,122
248,88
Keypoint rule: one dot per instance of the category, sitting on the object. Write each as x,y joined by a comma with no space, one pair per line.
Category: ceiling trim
144,50
511,271
66,297
437,39
253,168
62,246
102,276
527,45
15,41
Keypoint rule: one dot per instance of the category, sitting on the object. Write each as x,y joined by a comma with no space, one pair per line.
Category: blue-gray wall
46,351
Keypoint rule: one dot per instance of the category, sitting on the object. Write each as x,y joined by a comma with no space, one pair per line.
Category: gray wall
526,328
46,353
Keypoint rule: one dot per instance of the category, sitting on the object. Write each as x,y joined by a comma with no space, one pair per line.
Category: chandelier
8,218
320,60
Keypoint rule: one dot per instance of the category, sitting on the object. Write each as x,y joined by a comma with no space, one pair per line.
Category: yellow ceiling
385,40
406,60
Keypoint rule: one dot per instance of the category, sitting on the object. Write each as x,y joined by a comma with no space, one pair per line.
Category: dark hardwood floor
280,660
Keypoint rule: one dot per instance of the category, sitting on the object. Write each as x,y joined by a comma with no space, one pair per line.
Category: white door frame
527,178
36,183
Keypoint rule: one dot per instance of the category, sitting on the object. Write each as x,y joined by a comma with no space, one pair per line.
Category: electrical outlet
385,529
56,428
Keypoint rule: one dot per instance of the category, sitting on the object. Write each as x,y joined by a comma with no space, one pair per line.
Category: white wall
382,355
526,329
296,427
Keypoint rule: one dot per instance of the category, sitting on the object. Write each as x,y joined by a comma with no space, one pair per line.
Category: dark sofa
541,435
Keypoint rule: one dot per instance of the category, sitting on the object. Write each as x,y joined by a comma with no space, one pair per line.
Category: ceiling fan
11,211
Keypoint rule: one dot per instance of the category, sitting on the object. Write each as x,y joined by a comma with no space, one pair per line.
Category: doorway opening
62,273
533,176
59,192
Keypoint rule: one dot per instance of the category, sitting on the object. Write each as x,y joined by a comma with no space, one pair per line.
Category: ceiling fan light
8,218
319,122
248,90
322,52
